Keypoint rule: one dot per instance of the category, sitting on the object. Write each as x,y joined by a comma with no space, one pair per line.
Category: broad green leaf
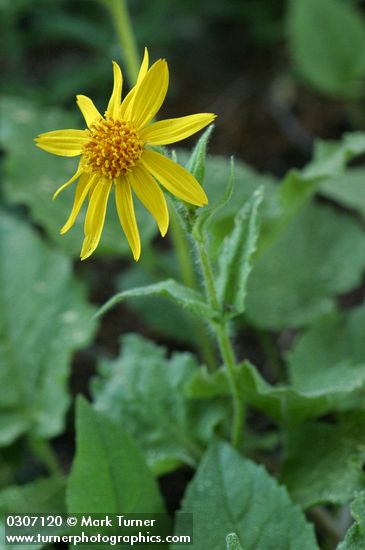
32,176
44,496
232,494
340,388
319,255
347,189
329,160
44,319
330,157
109,473
40,496
196,164
185,297
319,32
144,390
233,542
331,470
332,348
355,536
235,257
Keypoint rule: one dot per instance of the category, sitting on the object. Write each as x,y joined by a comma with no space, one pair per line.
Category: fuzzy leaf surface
319,255
247,501
336,389
327,472
44,319
355,536
233,542
144,390
181,295
333,346
235,257
197,160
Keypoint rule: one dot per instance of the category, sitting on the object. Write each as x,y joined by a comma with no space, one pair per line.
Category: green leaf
327,472
32,176
205,215
170,320
355,536
347,189
322,51
330,157
235,257
329,160
44,496
144,390
109,473
185,297
233,542
244,499
327,257
44,319
196,164
246,181
333,347
334,389
40,496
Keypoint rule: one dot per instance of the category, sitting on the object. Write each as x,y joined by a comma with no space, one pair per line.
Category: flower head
115,154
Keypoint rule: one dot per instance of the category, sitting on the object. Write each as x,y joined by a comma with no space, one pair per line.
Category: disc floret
113,150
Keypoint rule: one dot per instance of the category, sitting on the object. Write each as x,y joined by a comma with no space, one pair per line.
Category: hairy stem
221,329
189,279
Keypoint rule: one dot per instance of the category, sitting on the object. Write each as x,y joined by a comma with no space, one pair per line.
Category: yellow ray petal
76,175
95,217
144,67
150,94
116,97
150,196
88,109
82,188
124,109
175,129
127,217
66,143
175,178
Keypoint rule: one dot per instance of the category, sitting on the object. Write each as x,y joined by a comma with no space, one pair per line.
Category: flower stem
128,44
229,359
189,279
221,329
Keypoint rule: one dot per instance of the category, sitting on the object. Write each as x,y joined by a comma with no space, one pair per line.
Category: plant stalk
221,329
189,279
125,33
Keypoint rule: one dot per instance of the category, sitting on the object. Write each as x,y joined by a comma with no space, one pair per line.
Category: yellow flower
114,150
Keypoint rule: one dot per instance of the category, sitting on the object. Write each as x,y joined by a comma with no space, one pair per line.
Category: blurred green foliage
285,268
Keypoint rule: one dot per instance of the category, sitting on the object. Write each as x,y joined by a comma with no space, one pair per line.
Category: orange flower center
114,148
